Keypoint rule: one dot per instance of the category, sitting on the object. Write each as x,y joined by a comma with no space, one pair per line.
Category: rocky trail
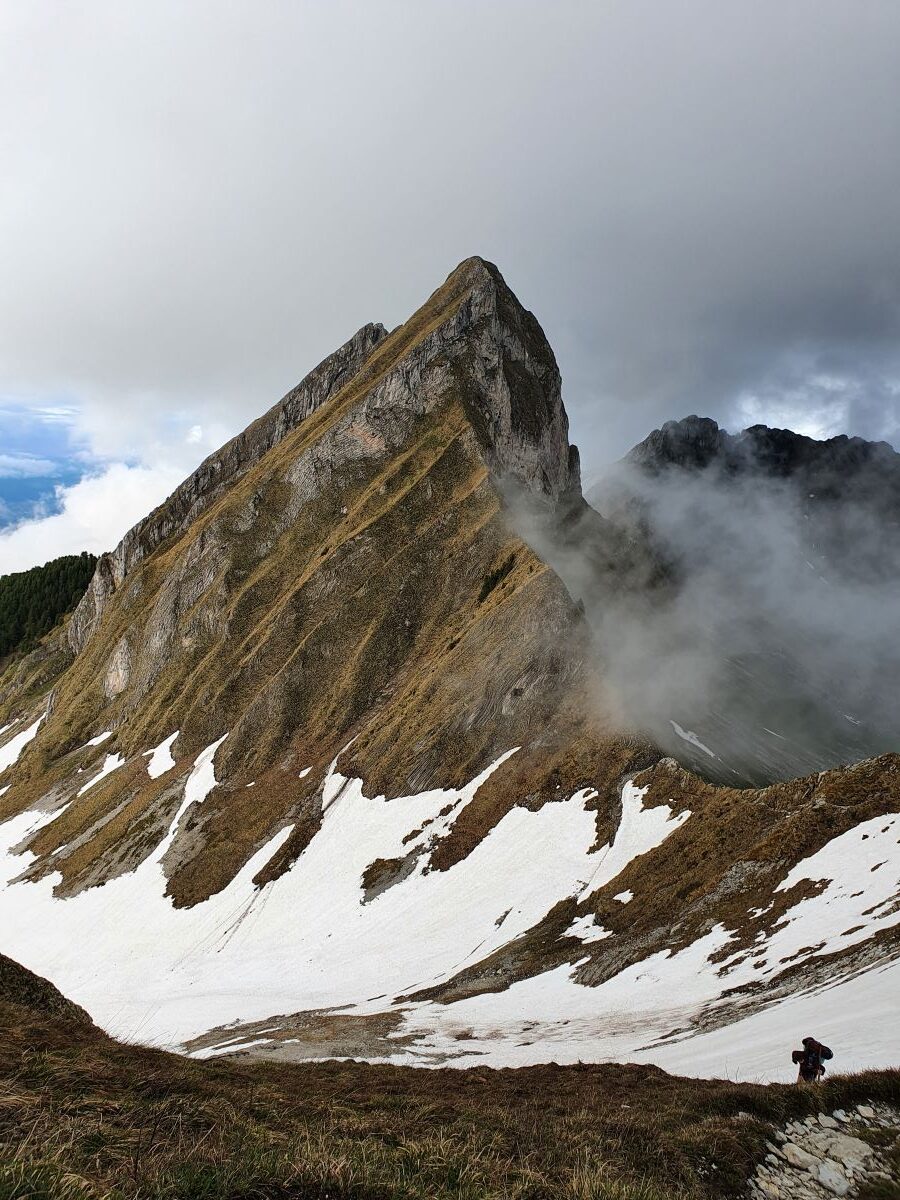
845,1153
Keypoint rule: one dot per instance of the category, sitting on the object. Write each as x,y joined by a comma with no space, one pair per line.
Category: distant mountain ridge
698,442
827,475
776,558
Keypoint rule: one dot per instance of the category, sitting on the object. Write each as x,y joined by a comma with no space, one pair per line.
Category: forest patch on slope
32,602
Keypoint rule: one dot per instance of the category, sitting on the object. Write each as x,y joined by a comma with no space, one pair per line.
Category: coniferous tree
32,602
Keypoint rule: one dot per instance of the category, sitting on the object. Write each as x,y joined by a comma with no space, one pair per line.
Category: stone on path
849,1149
815,1159
798,1157
830,1175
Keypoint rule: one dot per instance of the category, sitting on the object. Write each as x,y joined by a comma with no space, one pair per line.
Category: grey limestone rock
830,1175
818,1159
798,1157
215,473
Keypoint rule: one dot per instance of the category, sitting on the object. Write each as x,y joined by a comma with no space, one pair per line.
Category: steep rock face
217,472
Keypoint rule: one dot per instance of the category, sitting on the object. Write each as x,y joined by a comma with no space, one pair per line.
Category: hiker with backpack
811,1060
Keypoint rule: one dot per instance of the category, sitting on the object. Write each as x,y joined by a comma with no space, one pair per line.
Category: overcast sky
699,200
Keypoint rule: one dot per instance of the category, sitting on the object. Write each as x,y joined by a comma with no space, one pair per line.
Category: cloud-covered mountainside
768,644
332,760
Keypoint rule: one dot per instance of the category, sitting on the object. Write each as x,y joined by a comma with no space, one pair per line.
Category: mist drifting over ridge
742,590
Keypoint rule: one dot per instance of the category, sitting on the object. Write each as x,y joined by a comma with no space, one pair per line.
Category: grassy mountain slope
84,1117
21,987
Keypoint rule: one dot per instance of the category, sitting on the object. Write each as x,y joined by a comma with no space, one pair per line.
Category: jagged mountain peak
698,442
691,442
518,416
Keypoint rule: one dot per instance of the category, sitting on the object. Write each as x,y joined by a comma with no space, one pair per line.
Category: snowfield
310,941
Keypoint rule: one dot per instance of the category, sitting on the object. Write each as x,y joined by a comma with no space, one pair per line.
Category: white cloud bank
95,513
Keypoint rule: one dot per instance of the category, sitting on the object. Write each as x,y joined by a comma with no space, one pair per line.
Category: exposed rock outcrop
831,1155
216,473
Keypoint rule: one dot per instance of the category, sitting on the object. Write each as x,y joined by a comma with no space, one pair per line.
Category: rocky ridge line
822,1156
698,442
215,473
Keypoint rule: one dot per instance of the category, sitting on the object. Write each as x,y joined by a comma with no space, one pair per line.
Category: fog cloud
747,622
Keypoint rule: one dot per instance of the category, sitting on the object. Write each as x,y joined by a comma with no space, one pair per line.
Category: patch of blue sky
40,452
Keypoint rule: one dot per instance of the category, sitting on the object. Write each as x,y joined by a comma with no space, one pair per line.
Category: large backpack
816,1056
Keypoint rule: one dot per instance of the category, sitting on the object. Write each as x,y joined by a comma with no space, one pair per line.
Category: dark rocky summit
694,443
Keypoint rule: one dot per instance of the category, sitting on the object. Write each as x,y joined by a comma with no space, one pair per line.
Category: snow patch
10,751
587,929
160,756
688,735
98,740
640,830
200,783
111,763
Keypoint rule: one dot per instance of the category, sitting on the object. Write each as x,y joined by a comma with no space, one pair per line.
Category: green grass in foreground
84,1117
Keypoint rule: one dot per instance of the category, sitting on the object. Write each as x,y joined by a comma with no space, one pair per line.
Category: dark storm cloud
698,200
